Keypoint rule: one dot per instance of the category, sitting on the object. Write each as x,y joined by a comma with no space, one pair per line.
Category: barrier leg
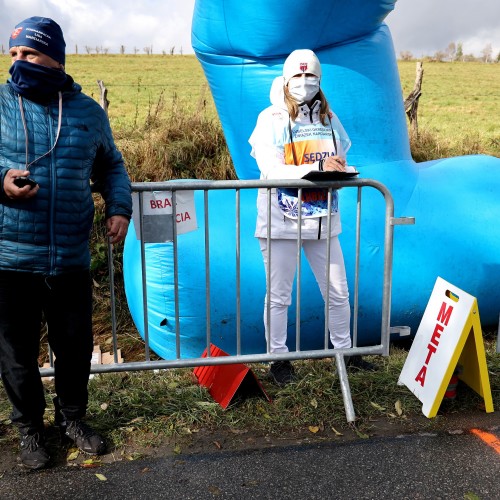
498,335
344,387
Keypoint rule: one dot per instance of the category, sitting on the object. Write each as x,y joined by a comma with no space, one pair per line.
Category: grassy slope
149,408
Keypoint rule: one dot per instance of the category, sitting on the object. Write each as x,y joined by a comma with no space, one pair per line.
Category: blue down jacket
49,233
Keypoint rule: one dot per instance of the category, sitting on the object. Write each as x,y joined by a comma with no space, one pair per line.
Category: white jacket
276,142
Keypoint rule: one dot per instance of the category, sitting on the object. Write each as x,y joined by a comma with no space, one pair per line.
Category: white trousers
283,268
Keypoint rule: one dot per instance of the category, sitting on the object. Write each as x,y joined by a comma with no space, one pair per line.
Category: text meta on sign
442,321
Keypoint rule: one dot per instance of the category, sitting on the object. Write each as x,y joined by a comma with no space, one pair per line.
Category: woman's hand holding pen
334,163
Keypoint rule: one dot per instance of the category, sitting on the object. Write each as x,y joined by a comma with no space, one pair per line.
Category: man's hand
16,193
334,163
117,228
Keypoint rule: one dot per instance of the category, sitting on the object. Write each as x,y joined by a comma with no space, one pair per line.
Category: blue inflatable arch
242,46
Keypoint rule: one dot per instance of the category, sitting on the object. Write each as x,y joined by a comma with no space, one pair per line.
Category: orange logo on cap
16,32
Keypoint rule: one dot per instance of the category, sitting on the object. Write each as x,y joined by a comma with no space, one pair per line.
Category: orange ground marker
224,381
490,439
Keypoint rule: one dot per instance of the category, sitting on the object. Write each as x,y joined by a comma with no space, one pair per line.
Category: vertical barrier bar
327,270
207,270
387,285
111,269
51,357
238,272
268,274
176,276
299,272
356,271
144,282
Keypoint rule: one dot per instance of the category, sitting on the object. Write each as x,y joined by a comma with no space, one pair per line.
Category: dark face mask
36,81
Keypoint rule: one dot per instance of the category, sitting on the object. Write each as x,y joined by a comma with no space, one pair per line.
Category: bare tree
439,56
469,58
88,49
136,50
122,49
172,50
3,49
147,50
487,53
406,55
451,50
105,50
76,49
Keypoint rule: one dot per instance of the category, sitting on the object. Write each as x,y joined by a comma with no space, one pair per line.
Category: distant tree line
99,49
454,52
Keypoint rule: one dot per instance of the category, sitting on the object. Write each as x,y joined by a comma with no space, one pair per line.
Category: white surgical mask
303,89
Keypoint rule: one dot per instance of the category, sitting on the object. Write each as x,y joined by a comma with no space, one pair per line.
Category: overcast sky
421,27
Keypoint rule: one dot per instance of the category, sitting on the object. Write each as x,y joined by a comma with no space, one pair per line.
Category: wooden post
104,94
411,102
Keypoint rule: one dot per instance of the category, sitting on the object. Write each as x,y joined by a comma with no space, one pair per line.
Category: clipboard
317,175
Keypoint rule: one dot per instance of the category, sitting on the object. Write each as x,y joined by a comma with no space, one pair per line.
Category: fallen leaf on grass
127,429
314,428
397,405
377,406
314,403
206,403
337,433
177,449
101,477
89,463
136,420
217,444
73,455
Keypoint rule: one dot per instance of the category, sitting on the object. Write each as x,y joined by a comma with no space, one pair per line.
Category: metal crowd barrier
206,186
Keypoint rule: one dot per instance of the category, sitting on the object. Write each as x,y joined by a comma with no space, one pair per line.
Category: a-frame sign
448,340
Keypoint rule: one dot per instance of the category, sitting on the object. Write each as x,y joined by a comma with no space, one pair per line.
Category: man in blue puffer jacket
54,141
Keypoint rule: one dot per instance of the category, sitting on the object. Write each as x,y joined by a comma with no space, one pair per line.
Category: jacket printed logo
16,32
303,67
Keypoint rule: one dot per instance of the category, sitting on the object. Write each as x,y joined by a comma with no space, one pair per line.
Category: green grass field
459,100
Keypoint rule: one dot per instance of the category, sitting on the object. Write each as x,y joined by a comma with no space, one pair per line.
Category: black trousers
66,303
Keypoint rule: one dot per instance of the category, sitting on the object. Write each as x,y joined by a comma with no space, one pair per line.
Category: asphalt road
419,466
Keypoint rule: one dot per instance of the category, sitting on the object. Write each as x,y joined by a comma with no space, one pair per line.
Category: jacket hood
277,94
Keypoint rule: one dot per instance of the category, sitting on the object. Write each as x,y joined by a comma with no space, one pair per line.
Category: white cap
301,61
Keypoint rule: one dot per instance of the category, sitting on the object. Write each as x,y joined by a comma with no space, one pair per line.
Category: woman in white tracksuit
299,133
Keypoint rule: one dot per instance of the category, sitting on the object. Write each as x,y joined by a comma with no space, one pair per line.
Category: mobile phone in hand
25,181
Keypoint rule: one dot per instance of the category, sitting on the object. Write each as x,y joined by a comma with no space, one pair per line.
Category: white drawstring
59,120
